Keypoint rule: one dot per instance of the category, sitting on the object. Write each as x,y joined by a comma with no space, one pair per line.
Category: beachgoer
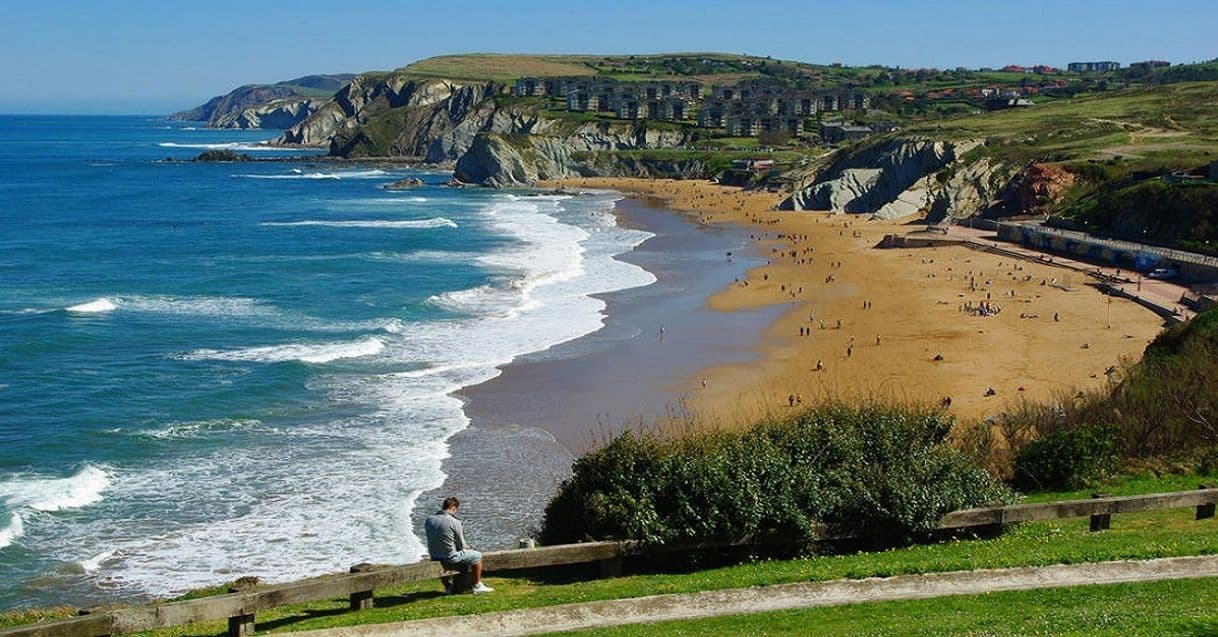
661,333
446,544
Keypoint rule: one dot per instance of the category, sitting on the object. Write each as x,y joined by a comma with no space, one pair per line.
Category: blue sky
138,56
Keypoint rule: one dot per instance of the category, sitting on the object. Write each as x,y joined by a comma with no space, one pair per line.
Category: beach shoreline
910,329
544,409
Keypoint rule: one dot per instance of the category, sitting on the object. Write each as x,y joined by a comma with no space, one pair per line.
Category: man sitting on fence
446,544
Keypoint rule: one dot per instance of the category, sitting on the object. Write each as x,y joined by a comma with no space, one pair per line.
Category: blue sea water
211,370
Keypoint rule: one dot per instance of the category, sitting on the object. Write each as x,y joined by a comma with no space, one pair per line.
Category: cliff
514,159
890,178
284,113
395,114
259,105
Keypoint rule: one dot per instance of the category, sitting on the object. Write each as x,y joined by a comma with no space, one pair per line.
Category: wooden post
1205,510
1100,521
361,600
241,625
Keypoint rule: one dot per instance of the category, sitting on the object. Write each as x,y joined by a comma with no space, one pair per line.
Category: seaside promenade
1159,292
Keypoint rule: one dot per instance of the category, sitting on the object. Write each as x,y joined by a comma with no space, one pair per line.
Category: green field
1136,536
1176,121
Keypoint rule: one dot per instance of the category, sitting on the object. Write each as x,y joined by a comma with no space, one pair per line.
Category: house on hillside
1146,65
529,87
753,165
1005,102
834,132
1090,67
583,101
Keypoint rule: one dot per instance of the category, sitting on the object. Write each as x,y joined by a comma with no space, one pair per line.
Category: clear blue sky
138,56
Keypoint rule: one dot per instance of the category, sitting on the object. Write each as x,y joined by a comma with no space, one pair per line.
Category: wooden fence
239,608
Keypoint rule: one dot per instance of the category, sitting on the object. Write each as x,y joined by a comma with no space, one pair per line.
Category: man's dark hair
450,503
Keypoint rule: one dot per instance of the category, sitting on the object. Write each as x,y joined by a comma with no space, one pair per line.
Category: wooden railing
239,608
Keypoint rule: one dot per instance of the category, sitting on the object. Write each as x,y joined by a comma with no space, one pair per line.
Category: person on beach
446,545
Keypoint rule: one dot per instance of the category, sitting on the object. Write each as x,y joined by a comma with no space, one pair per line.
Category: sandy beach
904,323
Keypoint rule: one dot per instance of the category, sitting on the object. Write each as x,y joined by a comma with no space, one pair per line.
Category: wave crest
96,306
81,489
296,174
14,530
302,352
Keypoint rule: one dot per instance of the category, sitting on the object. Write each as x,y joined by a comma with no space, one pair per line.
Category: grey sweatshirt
444,535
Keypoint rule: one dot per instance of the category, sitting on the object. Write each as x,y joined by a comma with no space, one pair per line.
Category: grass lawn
1134,536
1185,607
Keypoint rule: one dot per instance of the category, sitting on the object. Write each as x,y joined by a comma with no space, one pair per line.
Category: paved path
738,601
1165,294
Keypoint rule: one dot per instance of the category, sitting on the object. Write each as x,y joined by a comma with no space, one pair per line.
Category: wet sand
528,424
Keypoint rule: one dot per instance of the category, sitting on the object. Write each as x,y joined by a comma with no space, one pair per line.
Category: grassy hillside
498,67
1174,124
1156,210
707,67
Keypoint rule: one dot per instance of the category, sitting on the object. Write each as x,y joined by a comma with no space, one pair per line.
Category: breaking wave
302,352
96,306
81,489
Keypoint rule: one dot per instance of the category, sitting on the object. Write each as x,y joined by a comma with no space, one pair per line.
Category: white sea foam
81,489
14,530
96,306
483,299
434,222
93,563
197,305
381,201
281,504
196,429
180,305
347,174
303,352
246,146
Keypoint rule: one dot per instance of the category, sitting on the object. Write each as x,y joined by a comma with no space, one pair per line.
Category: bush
868,469
1065,459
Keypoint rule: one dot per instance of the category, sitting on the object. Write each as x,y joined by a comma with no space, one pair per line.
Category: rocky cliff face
393,114
246,106
895,178
277,114
514,159
235,101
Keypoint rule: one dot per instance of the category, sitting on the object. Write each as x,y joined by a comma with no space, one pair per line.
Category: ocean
212,370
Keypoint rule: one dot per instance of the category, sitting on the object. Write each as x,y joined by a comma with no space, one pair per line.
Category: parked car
1164,273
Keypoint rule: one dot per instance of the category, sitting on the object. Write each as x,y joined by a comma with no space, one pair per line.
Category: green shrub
1065,459
858,469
